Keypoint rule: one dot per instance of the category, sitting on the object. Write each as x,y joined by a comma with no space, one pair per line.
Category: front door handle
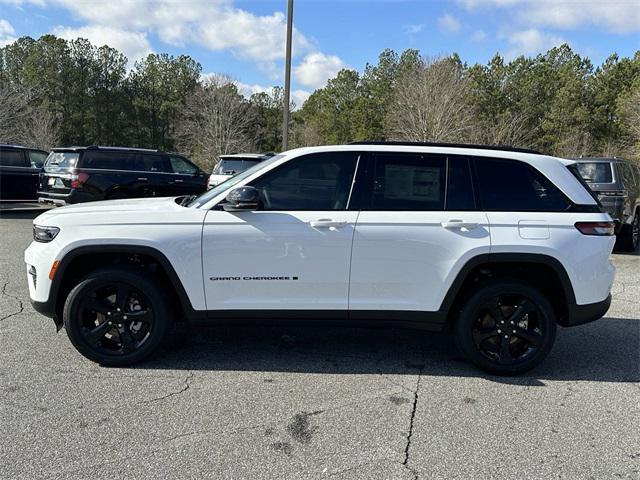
177,180
143,179
455,224
326,223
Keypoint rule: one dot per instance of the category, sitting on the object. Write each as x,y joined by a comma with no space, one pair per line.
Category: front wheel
505,327
116,317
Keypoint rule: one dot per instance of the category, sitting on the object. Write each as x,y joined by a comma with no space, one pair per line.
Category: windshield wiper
187,199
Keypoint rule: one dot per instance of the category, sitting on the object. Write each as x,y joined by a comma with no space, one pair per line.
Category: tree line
56,92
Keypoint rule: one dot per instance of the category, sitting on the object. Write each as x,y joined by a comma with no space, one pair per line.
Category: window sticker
412,183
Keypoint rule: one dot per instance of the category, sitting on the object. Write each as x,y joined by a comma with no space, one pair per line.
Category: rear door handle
455,224
326,223
143,179
177,180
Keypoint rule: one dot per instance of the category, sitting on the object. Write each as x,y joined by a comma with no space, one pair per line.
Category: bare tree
41,129
629,112
505,128
431,103
216,120
15,110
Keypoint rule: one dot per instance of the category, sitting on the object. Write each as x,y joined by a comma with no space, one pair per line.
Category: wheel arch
541,271
83,259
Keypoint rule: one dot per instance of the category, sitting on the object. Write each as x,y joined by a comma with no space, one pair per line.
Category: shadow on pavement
607,351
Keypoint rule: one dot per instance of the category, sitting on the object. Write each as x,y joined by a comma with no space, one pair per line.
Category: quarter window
320,181
408,182
509,185
12,158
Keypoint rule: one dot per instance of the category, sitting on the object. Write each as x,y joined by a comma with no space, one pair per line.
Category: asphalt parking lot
285,402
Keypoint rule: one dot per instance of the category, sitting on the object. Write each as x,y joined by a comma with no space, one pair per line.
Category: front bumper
581,314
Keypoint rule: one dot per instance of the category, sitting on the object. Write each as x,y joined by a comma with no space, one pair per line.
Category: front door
291,255
417,229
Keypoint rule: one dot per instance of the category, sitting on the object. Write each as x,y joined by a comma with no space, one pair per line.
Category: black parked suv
19,171
84,174
616,182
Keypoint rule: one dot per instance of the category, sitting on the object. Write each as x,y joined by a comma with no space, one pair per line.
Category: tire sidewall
103,277
463,327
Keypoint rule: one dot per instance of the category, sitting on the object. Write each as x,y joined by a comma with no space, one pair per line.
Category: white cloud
531,42
479,36
413,29
299,97
448,23
617,16
316,68
133,44
6,32
247,89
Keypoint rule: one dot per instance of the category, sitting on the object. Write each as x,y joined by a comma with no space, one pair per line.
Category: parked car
230,165
616,182
19,170
84,174
499,245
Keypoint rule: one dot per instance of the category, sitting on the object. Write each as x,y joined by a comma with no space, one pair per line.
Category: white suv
499,245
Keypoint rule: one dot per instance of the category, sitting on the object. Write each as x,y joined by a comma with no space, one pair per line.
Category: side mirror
242,199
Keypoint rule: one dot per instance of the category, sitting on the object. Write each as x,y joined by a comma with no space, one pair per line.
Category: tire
112,337
493,346
629,236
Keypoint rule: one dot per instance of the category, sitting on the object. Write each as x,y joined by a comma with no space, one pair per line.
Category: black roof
20,147
452,145
101,147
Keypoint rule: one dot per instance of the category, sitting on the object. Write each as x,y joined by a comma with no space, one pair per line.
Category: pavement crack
416,394
17,299
187,385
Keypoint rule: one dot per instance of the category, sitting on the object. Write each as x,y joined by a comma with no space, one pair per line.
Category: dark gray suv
616,182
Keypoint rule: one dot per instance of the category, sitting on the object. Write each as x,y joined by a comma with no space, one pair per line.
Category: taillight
78,180
603,229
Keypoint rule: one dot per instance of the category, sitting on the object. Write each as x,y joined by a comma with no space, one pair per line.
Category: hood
138,210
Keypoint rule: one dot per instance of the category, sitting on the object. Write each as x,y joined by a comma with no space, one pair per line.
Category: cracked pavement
293,402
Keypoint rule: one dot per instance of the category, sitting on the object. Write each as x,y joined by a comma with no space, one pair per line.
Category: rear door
16,179
418,226
154,175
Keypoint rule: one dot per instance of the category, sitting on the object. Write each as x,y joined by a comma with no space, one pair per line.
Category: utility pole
287,79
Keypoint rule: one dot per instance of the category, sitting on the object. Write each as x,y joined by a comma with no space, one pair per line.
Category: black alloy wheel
116,316
506,327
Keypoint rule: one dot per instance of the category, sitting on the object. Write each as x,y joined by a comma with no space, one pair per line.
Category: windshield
60,160
231,167
595,172
226,185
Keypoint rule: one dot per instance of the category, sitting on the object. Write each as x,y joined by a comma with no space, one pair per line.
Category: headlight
44,234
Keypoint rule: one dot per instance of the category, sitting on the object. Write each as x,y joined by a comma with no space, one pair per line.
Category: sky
245,39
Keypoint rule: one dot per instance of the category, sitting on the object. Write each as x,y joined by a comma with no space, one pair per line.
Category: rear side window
109,160
595,172
627,174
37,159
509,185
61,160
180,165
408,182
12,158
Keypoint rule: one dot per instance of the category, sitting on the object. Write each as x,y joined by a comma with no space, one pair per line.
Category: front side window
180,165
509,185
408,182
37,159
320,181
12,158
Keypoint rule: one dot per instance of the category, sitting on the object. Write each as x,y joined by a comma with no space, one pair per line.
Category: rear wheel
116,317
629,237
505,328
